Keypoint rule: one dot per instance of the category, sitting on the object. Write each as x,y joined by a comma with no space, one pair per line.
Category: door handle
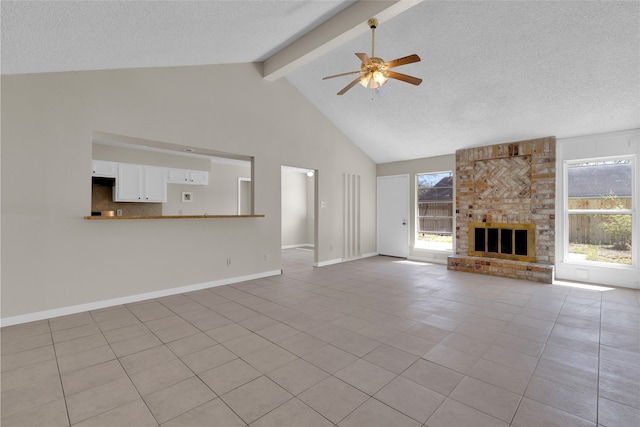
404,222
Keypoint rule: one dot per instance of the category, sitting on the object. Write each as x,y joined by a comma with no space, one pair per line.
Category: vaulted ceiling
493,71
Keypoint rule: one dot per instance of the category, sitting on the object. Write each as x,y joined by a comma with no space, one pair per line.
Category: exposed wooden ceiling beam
343,27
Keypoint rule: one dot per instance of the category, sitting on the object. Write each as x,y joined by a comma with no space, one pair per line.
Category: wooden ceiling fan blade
403,61
343,74
403,77
350,85
364,58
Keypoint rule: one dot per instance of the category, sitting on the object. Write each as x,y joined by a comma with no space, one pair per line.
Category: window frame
567,258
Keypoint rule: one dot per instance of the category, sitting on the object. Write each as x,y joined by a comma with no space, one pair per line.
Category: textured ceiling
493,71
45,36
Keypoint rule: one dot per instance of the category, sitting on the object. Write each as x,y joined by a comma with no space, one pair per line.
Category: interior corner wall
52,258
414,167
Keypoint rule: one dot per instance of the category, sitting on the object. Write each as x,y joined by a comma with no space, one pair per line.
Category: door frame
315,206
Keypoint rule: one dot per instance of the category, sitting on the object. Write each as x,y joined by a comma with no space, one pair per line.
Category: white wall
116,153
414,167
53,258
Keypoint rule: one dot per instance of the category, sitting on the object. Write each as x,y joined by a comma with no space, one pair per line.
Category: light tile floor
374,342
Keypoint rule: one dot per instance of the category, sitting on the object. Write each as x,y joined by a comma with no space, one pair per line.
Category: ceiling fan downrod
373,24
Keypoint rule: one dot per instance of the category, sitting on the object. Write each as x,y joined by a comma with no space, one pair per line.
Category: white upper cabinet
178,176
139,183
105,169
184,176
128,184
199,177
155,184
142,183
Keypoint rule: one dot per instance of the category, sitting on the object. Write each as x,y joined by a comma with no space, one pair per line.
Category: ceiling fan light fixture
364,80
373,80
379,78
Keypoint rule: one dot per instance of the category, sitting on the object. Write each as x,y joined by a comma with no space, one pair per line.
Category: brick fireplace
505,210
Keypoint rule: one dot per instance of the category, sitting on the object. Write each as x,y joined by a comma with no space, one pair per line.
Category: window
434,196
599,210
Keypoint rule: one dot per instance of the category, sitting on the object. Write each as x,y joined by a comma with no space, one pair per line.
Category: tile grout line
299,357
555,322
123,368
195,375
55,355
239,357
262,374
462,294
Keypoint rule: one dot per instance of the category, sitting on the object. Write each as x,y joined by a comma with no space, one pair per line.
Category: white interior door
393,215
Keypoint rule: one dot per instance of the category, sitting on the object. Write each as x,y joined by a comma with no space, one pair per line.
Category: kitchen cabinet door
185,176
155,184
199,177
138,183
129,183
104,169
178,176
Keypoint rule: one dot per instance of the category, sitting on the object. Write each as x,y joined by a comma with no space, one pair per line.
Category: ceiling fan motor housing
377,64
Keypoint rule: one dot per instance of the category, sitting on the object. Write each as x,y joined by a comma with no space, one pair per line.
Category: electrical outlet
228,262
119,212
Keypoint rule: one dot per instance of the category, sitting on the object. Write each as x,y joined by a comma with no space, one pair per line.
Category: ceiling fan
374,72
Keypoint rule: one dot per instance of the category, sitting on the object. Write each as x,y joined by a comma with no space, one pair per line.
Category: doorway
393,215
298,211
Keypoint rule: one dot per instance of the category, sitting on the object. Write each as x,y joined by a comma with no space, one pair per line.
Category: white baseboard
64,311
330,262
429,260
300,245
339,260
